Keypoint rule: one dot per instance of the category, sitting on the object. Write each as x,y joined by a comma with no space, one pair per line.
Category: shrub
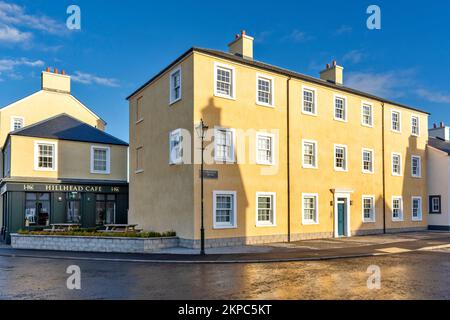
94,233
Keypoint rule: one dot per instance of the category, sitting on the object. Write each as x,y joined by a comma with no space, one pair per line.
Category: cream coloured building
289,156
58,164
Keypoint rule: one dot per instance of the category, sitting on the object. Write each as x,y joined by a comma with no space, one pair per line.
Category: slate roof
268,67
439,144
65,127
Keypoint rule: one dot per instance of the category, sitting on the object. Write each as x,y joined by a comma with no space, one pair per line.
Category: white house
439,178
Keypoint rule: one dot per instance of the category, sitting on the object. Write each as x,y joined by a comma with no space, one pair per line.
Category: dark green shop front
35,206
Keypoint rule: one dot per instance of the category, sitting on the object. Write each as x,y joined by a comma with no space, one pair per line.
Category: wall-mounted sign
209,174
32,187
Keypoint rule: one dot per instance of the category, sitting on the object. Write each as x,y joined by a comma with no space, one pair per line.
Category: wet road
415,275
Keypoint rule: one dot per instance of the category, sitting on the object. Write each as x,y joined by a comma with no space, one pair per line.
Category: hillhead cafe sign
30,187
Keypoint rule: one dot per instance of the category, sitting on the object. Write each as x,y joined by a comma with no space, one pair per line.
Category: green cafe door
342,214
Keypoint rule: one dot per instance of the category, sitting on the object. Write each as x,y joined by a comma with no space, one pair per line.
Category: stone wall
92,244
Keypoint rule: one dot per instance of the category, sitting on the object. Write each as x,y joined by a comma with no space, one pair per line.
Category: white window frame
108,159
308,221
420,217
222,225
316,147
218,65
272,223
315,105
363,104
36,155
232,158
13,120
176,132
345,159
373,218
272,90
139,168
272,138
172,99
400,164
373,160
418,125
399,121
432,198
419,174
400,218
338,96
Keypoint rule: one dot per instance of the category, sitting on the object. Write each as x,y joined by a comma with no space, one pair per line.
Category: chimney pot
63,72
334,63
242,46
48,69
237,36
442,124
55,71
243,32
434,126
328,66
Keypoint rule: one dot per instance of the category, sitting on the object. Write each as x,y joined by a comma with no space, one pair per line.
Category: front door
342,213
73,207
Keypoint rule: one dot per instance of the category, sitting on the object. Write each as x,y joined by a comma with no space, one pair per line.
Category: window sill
417,219
369,221
265,163
340,120
396,175
397,220
263,225
139,121
340,170
309,223
309,167
139,171
267,105
101,172
309,113
224,227
44,170
224,96
416,177
367,125
368,172
395,131
172,102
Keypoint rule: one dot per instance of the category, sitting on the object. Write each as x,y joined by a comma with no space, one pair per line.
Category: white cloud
354,56
392,84
436,97
297,36
87,78
13,35
15,15
9,65
343,29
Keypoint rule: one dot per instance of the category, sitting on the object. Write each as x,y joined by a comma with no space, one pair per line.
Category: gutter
288,160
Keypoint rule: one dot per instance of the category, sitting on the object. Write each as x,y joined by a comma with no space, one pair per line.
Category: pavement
307,250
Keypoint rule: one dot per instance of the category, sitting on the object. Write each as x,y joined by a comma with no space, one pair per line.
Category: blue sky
121,44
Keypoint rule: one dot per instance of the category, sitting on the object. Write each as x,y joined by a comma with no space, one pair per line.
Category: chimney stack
434,126
54,81
333,74
441,124
242,46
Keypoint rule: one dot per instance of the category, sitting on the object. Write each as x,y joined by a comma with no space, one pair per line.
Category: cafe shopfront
35,206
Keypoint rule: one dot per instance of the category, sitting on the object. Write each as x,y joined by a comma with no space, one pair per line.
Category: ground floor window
435,204
417,208
224,209
265,209
105,209
310,209
73,207
397,209
37,209
368,208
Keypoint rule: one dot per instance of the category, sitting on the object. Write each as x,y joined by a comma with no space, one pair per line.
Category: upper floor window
176,147
309,101
340,108
45,156
139,113
264,90
265,211
309,154
340,158
100,159
397,208
224,85
175,85
415,131
416,166
367,115
416,208
396,121
264,148
435,204
17,123
396,164
224,145
367,161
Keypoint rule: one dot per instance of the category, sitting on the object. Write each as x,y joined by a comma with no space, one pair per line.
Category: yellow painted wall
161,196
164,196
73,160
43,105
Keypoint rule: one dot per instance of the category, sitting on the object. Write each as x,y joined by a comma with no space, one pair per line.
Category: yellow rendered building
287,157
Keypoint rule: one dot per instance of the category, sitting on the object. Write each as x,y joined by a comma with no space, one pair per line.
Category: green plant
93,233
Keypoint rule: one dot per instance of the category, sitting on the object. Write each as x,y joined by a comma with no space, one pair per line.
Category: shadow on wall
229,180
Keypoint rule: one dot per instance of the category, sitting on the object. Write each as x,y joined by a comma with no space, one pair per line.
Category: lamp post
201,131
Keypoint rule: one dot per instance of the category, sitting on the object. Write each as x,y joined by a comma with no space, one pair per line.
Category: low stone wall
92,244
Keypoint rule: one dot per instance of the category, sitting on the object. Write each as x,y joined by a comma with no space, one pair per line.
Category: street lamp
201,130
